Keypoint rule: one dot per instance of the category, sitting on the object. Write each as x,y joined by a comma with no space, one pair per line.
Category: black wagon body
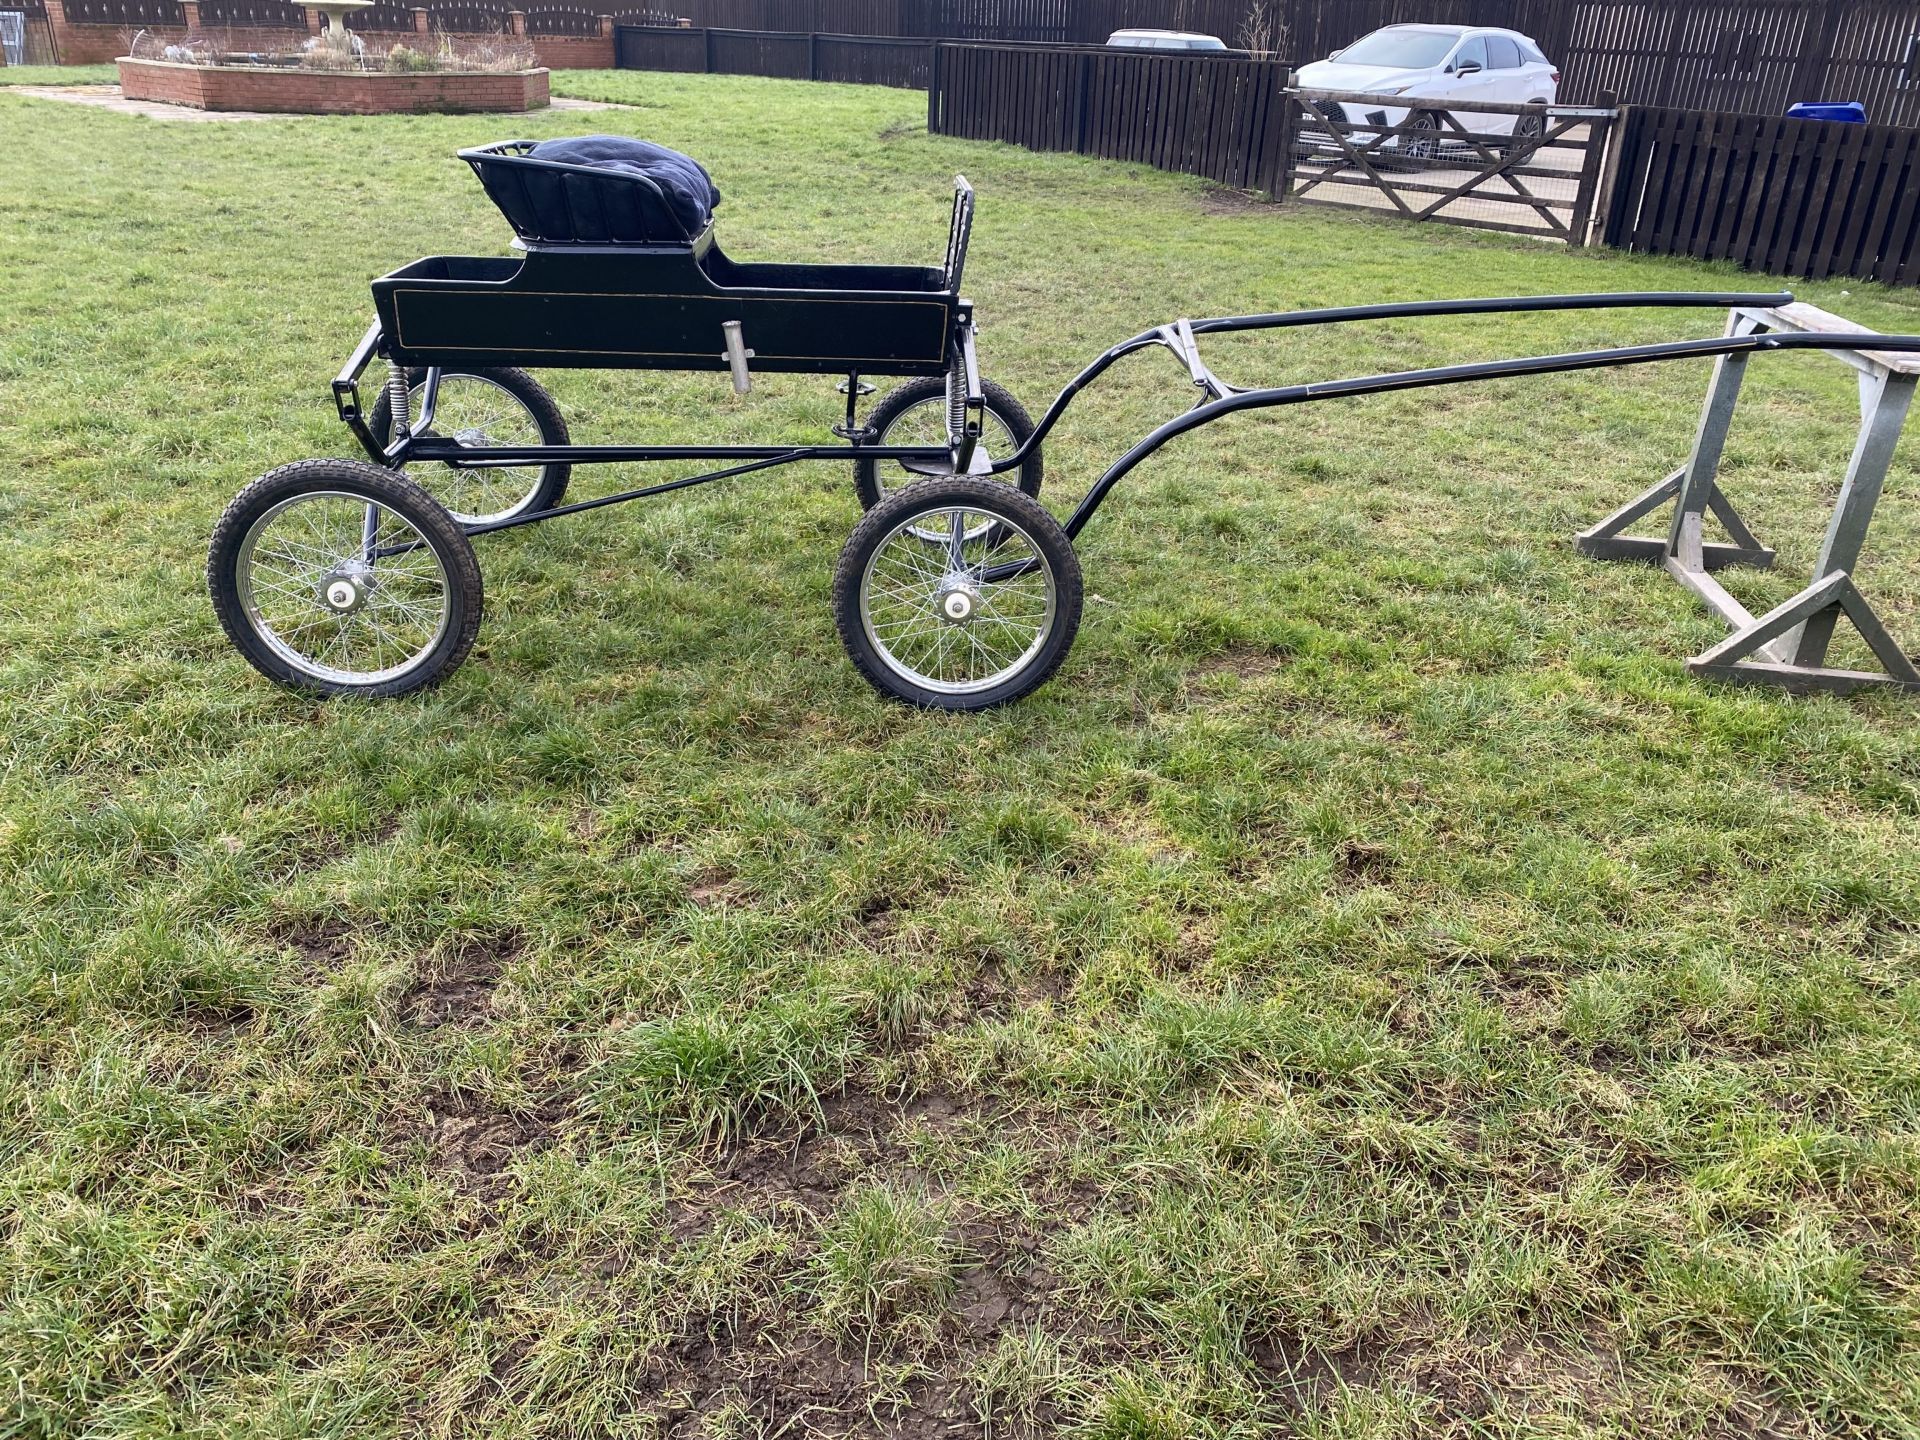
618,282
665,310
957,590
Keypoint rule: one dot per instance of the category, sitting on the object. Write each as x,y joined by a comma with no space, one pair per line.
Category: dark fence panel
738,52
859,59
865,60
1222,118
1875,53
1702,54
124,12
252,15
562,20
470,17
382,18
840,17
637,47
1791,196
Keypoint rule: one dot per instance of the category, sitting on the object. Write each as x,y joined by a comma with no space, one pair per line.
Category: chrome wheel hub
957,601
345,592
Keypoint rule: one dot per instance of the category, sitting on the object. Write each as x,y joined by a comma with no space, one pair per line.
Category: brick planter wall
576,52
317,92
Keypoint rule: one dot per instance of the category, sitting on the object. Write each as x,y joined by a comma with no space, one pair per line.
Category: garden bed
281,90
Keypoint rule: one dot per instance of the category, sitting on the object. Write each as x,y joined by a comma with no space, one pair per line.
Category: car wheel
1528,129
1420,143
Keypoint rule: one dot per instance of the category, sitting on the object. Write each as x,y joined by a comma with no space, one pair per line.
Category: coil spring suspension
397,407
956,405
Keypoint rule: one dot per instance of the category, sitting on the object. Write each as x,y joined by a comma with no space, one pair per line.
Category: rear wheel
502,406
916,414
341,578
1528,129
957,593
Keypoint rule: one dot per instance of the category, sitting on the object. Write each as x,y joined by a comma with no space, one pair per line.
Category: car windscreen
1400,49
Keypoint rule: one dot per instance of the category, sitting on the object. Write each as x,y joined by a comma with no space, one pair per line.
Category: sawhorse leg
1884,403
1788,645
1694,489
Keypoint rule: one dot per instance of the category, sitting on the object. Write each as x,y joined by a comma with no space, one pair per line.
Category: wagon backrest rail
959,233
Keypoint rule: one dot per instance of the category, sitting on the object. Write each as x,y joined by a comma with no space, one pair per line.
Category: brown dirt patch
1245,662
712,889
322,946
1222,200
457,989
776,1368
473,1143
1356,864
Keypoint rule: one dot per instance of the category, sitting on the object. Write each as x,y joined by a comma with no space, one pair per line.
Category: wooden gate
1527,169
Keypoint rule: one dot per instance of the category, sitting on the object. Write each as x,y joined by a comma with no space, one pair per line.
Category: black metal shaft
1463,374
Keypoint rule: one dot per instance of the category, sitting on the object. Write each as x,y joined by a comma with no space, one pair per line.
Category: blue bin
1847,112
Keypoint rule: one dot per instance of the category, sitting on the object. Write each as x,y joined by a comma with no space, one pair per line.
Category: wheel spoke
397,609
475,411
924,422
935,558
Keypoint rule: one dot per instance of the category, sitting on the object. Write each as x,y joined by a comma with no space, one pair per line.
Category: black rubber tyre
1001,405
543,490
1420,146
1527,130
1016,527
231,579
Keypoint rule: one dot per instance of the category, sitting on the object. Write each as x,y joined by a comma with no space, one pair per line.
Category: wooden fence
1224,118
1704,54
854,59
466,17
1795,197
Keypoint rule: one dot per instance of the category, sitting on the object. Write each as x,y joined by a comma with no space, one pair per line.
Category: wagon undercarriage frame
1785,647
957,590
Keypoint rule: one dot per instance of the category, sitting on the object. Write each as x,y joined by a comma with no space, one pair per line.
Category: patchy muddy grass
1373,992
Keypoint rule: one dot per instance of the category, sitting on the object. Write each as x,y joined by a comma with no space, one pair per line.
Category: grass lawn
1371,992
59,75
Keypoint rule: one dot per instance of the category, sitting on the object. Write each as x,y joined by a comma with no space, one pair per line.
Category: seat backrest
550,202
959,232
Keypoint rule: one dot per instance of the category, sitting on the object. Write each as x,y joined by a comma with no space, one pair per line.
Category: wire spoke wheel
338,577
916,414
345,590
958,594
498,407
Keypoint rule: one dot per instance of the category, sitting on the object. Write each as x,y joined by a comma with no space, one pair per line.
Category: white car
1163,40
1436,68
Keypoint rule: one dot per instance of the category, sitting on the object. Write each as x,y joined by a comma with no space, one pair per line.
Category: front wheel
1420,143
336,577
957,593
497,407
